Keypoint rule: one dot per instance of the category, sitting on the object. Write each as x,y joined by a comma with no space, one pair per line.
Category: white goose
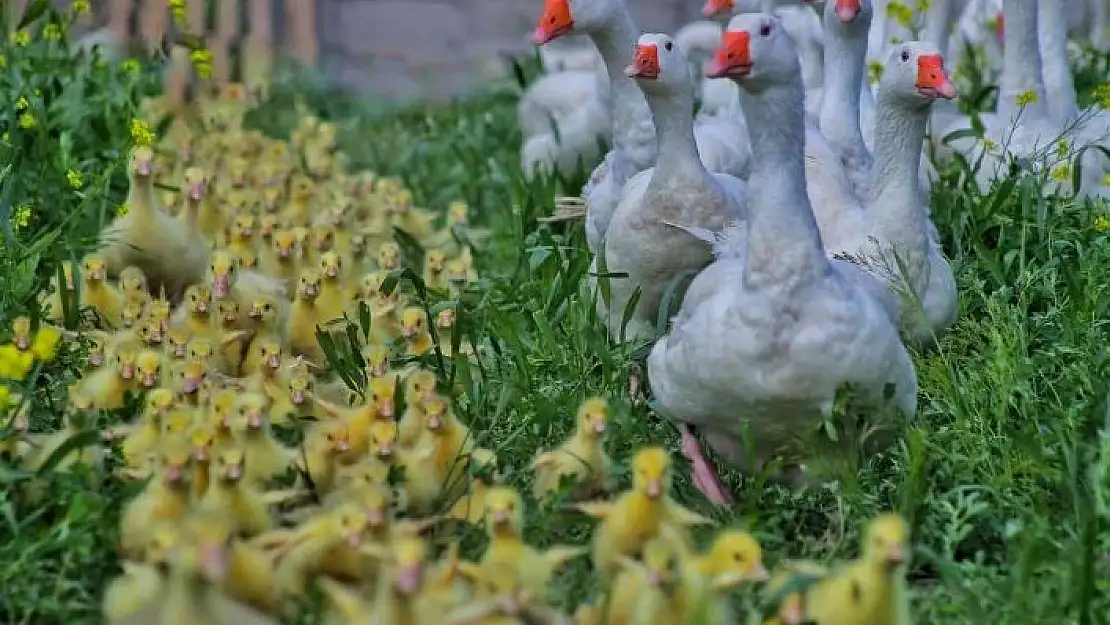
564,115
677,190
769,331
610,26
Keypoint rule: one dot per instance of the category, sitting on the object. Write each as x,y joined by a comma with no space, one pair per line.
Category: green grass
1005,474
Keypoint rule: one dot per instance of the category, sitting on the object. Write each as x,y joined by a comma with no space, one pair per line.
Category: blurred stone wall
439,48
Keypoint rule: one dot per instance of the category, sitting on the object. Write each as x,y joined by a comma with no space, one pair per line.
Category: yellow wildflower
75,179
80,7
989,145
27,121
874,71
6,137
21,103
900,13
1102,95
202,62
51,32
21,37
141,133
21,217
45,345
921,6
177,9
1102,223
1025,98
5,397
1061,173
15,364
130,66
1062,148
122,210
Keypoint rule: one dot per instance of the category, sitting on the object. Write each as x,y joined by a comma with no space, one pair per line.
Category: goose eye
765,30
668,46
905,55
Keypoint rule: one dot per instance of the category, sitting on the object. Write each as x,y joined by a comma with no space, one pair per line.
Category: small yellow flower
3,61
6,137
1025,98
141,133
177,9
75,179
21,217
900,13
1063,148
21,37
80,7
874,71
1061,173
27,121
122,210
5,397
202,62
21,103
51,32
1102,223
1102,95
921,6
131,66
989,145
45,345
15,364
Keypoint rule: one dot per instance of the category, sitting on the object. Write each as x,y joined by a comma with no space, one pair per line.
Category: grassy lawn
1005,474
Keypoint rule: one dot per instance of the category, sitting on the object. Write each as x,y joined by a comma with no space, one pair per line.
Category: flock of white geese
766,165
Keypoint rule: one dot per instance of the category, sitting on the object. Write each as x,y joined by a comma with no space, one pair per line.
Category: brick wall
439,48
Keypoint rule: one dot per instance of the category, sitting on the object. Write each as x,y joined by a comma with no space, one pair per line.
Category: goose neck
673,114
783,241
1021,62
1052,33
899,134
938,23
840,102
615,40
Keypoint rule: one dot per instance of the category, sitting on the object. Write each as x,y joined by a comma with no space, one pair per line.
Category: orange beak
932,80
713,8
645,62
847,10
554,23
734,57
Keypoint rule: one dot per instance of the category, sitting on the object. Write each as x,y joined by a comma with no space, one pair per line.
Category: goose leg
706,478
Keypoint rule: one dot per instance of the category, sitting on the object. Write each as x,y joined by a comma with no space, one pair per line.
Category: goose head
914,74
755,52
561,17
853,17
658,65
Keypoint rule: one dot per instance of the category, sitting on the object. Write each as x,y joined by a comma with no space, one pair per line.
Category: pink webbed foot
706,479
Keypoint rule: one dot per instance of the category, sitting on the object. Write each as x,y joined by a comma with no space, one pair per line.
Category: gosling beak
234,471
654,579
230,317
354,539
22,342
385,451
200,454
196,191
254,419
255,313
386,408
69,283
408,332
434,422
408,579
376,517
192,383
283,252
599,427
96,359
219,287
143,168
758,573
174,474
214,564
149,380
274,361
895,555
202,307
332,272
654,489
127,372
179,351
298,398
343,446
